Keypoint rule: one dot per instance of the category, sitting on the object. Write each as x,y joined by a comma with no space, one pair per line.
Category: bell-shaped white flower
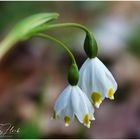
73,102
96,81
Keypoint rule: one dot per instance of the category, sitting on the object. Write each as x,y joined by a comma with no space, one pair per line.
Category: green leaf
25,29
27,26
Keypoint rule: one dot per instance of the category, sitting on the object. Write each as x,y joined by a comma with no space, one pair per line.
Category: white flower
96,81
73,102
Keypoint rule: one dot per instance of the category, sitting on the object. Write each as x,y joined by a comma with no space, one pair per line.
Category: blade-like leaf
28,25
25,28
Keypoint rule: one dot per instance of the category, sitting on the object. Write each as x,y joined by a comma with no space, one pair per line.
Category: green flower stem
69,25
58,42
76,25
11,39
92,48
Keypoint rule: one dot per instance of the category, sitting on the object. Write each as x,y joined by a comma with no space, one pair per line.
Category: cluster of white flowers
95,83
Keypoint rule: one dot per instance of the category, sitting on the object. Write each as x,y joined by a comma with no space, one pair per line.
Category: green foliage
26,29
12,12
134,42
29,131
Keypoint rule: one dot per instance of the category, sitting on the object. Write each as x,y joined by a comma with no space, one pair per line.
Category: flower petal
110,84
97,81
62,99
81,105
63,107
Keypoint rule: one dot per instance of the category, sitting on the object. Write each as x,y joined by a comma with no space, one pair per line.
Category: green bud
73,75
90,45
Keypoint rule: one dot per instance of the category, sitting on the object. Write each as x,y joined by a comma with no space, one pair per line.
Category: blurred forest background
34,72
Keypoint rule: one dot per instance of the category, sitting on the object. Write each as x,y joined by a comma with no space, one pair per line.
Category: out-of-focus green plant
134,42
29,130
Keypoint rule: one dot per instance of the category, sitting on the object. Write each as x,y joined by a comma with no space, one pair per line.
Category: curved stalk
58,25
58,42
